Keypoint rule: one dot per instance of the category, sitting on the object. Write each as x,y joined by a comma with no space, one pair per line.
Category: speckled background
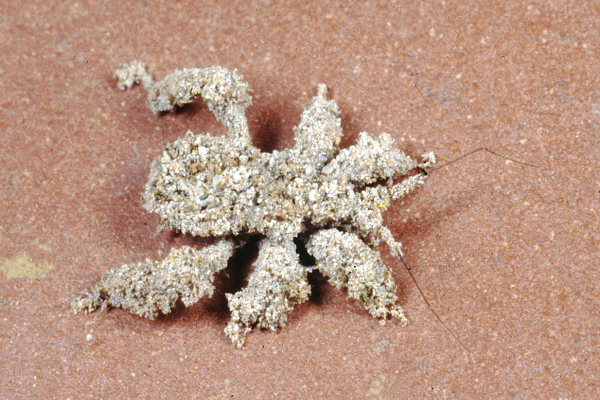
508,255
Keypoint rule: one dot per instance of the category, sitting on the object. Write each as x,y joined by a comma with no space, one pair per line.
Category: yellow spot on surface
42,246
22,266
376,387
224,393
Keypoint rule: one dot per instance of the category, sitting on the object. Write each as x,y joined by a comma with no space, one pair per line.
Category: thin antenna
486,150
424,171
454,335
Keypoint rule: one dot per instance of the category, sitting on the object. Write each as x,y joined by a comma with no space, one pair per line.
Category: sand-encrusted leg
276,285
409,184
225,92
152,287
370,160
319,132
349,263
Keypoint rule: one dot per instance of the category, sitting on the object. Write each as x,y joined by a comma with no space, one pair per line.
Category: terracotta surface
507,255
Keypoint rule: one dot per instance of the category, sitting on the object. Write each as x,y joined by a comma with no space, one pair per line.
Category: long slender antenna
486,150
454,335
426,171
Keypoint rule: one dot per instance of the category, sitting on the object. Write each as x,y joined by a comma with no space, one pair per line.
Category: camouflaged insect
329,200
